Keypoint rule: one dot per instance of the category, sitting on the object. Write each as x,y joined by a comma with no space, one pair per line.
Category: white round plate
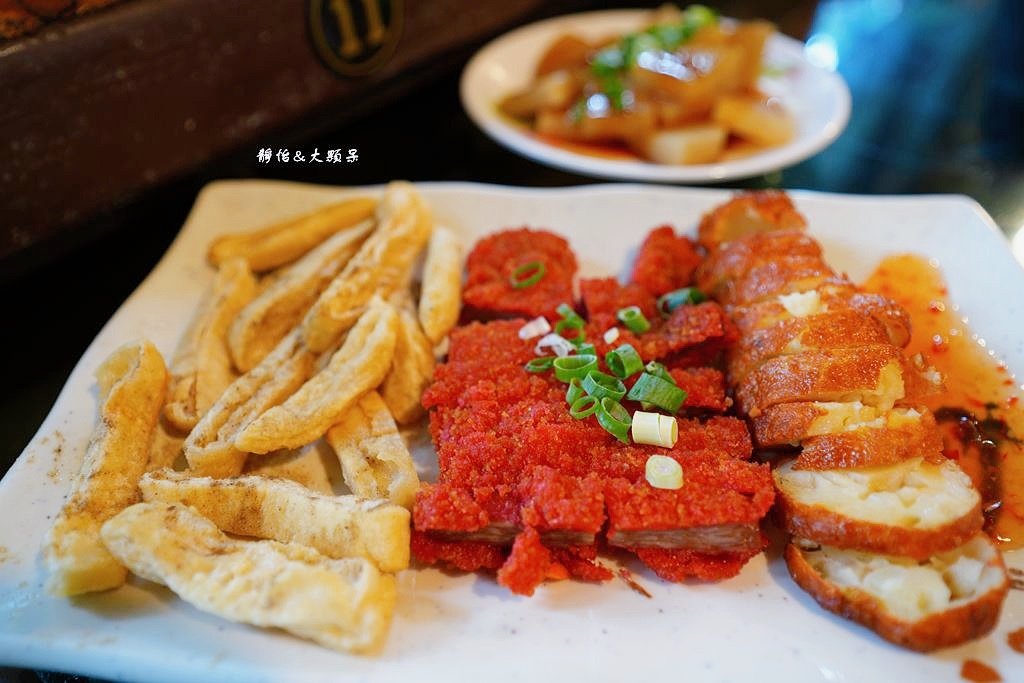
818,98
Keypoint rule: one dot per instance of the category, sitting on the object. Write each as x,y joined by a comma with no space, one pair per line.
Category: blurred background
114,114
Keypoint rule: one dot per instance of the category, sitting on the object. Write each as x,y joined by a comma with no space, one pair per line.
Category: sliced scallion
579,367
680,297
586,348
654,391
658,370
575,391
624,361
527,275
614,419
633,318
600,385
538,365
584,406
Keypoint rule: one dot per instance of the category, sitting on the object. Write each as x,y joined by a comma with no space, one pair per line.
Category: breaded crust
749,213
783,275
737,257
959,623
829,330
889,439
878,510
871,374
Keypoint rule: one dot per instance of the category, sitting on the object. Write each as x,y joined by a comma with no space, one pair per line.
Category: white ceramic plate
757,626
819,100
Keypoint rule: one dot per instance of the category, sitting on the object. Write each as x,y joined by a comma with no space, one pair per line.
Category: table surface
938,102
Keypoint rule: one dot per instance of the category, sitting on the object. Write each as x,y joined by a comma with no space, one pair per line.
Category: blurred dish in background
524,88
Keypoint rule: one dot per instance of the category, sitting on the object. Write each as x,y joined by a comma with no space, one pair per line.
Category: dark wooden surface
94,112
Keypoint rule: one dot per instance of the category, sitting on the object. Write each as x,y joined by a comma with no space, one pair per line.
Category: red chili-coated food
704,387
715,491
580,563
665,261
467,556
494,259
607,296
527,566
679,565
513,461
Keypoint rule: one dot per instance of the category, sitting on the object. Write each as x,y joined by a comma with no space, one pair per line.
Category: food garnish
662,472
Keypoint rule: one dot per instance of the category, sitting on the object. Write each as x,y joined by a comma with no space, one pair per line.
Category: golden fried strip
209,448
201,369
284,242
381,266
279,307
411,371
441,293
341,604
359,365
132,382
373,456
282,510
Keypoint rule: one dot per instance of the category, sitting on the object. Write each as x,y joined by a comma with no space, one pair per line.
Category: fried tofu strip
277,309
282,510
284,242
201,369
132,382
345,604
411,371
209,448
359,365
441,292
374,459
913,508
944,600
382,265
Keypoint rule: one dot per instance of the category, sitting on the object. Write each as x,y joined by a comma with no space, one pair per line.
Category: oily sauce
981,412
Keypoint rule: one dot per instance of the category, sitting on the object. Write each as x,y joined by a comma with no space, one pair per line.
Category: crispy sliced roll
749,213
870,374
789,424
913,508
830,297
895,436
830,330
939,601
735,259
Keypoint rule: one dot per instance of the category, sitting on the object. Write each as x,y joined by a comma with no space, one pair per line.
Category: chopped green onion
584,406
614,418
537,365
610,335
575,391
663,472
527,275
600,385
568,367
569,313
654,429
624,361
633,318
572,325
658,370
589,349
680,297
654,391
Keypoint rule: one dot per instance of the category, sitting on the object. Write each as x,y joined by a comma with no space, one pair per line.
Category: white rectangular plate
758,626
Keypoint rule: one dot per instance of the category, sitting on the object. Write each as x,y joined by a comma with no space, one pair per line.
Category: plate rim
772,160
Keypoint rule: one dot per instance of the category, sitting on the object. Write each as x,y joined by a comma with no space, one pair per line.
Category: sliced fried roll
914,508
830,330
747,214
940,601
735,259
